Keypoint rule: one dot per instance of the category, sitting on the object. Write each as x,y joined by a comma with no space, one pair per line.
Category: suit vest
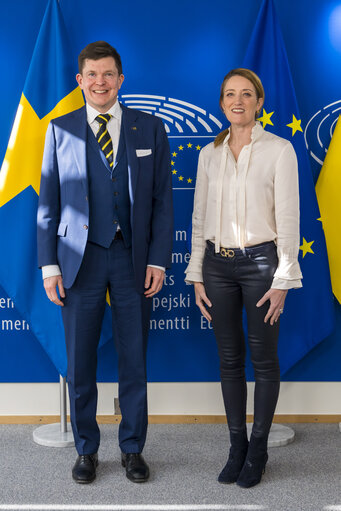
109,203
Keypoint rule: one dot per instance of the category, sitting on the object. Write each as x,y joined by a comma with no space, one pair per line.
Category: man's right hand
50,285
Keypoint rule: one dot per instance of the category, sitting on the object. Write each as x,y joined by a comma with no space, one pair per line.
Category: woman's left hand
277,299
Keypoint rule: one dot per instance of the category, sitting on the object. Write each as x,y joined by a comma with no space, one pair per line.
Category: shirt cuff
193,276
50,270
286,284
288,268
155,266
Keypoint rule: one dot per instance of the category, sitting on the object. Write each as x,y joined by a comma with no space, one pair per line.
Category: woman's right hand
201,300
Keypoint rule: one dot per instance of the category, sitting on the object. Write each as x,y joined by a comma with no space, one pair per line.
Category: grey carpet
184,461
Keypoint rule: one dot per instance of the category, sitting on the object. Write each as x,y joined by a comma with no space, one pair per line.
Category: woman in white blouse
244,254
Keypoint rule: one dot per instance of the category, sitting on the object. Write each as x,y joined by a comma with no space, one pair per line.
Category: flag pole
63,418
58,434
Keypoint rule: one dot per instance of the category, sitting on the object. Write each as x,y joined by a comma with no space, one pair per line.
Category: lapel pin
134,128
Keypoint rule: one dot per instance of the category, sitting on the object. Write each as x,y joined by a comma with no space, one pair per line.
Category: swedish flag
49,92
309,311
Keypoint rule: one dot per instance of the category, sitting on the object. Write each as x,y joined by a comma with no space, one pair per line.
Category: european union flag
49,92
309,312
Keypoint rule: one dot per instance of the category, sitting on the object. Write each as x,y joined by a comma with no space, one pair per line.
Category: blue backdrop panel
179,52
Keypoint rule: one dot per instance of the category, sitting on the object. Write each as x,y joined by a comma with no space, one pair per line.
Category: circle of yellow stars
175,154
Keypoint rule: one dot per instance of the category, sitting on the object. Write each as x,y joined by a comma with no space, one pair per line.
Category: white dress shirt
247,202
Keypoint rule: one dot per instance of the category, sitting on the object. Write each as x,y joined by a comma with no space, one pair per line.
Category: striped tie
103,137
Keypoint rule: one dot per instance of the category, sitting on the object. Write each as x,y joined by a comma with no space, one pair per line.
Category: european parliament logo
319,130
189,127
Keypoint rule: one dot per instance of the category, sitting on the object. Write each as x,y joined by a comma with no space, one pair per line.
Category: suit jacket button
86,197
116,193
85,227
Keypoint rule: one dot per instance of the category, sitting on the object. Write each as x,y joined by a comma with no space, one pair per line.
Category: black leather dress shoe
84,470
136,468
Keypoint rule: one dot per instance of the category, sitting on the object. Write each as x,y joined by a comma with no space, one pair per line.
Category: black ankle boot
236,459
254,466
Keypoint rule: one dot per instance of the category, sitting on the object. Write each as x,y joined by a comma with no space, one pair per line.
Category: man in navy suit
105,222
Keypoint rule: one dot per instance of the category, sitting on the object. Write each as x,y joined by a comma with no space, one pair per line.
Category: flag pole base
59,434
51,435
279,435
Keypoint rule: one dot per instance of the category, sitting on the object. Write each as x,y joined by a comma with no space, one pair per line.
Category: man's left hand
154,281
277,299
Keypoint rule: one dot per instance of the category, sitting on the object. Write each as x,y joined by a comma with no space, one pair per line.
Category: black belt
231,252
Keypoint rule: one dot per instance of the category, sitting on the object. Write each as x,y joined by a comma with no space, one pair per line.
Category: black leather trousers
231,284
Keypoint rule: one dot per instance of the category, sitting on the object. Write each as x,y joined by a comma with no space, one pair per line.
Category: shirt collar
256,133
92,113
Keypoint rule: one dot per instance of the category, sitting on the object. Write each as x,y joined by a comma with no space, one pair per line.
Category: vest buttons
115,193
85,227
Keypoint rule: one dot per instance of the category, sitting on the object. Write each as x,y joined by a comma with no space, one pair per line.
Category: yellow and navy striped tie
103,137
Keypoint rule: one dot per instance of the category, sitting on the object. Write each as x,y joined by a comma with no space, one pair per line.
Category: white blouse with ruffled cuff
246,202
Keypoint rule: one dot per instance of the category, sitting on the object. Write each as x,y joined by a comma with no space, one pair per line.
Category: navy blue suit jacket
63,211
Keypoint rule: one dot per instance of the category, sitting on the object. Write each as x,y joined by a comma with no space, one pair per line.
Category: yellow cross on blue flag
49,92
309,311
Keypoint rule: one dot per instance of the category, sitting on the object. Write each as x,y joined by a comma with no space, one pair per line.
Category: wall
192,44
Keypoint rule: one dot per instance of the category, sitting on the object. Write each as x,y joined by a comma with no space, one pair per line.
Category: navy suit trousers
101,269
